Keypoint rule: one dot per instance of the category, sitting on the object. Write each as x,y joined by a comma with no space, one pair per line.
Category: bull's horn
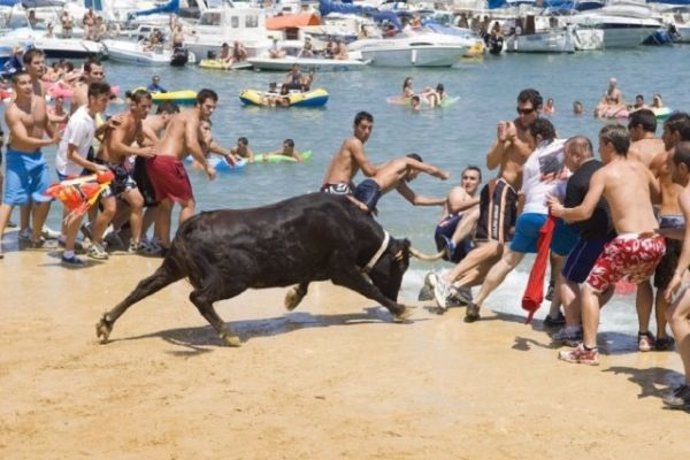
427,257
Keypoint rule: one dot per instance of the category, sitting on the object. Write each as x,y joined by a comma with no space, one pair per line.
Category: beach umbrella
534,292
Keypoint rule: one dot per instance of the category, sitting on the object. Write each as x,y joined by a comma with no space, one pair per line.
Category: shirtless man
116,146
395,175
611,102
350,159
288,150
93,72
676,129
498,198
635,252
678,314
27,170
644,143
242,149
166,170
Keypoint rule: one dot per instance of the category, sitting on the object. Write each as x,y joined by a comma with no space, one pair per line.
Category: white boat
137,53
225,24
418,50
625,24
307,63
54,48
541,34
679,20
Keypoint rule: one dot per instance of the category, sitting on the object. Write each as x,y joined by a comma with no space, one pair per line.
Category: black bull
309,238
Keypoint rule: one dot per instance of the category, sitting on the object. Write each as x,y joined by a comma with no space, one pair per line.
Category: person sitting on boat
294,78
225,54
49,31
307,80
89,22
155,86
415,22
639,103
407,91
155,39
287,149
657,102
276,52
341,51
67,24
239,52
177,37
549,108
242,150
101,30
308,48
33,20
611,103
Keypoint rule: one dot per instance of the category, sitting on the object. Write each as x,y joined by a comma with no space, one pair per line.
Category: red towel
534,292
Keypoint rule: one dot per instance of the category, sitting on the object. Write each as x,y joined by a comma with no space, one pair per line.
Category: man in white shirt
71,158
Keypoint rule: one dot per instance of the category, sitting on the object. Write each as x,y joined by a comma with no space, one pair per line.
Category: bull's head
388,272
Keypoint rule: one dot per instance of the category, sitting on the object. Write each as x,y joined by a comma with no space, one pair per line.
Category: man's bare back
645,150
670,191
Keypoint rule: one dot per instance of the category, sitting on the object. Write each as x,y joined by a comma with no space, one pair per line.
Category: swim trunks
628,256
141,177
122,181
169,178
26,178
497,211
337,188
369,193
582,258
444,232
667,266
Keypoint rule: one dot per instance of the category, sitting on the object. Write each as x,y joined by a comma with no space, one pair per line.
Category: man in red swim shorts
629,188
166,170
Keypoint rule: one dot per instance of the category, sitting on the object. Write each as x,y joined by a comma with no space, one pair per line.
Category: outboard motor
179,57
495,45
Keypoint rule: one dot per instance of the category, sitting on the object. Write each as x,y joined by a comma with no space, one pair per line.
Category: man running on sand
166,170
27,171
395,175
629,188
350,159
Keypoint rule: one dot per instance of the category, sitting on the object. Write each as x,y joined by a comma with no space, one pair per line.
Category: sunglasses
524,111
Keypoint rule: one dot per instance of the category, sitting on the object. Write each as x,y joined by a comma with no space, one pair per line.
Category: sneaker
645,341
24,235
551,323
550,291
441,291
679,399
664,343
460,295
49,234
567,338
472,313
96,251
580,355
73,261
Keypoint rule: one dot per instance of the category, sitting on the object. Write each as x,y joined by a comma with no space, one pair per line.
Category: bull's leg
161,278
295,295
203,300
354,280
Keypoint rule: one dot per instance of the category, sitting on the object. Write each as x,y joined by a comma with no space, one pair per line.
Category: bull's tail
168,273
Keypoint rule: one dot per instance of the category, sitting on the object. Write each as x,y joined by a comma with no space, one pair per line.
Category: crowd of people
621,218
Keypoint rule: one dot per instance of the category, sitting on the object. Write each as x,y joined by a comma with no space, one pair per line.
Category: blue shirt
156,88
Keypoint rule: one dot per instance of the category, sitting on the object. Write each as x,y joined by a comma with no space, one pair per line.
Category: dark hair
29,55
16,75
98,89
68,66
206,94
415,98
639,96
582,143
618,136
406,82
682,153
289,142
243,140
366,116
415,156
139,95
531,95
645,118
168,107
679,123
472,168
440,88
544,129
91,62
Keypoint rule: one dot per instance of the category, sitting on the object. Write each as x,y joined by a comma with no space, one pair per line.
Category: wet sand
334,379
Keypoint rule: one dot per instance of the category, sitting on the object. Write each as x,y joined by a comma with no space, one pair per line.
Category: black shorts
369,193
444,231
497,211
582,258
141,177
667,266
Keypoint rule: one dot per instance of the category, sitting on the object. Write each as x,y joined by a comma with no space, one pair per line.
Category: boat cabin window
234,22
251,21
209,19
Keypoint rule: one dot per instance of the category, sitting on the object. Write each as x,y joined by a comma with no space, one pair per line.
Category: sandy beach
334,379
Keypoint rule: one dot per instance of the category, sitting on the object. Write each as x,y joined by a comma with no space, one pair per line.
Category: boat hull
422,56
322,65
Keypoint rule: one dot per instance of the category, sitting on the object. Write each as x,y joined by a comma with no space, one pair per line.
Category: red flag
534,292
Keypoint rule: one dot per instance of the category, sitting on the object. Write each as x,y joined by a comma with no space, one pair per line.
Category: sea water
450,138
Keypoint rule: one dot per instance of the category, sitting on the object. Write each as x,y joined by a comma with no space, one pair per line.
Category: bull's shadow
198,340
653,381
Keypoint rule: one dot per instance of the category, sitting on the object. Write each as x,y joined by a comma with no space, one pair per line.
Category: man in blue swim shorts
27,171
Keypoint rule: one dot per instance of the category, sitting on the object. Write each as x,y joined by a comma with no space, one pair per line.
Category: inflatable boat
314,98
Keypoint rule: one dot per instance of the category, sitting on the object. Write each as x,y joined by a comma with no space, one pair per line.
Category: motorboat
541,34
625,24
307,63
140,53
54,48
424,49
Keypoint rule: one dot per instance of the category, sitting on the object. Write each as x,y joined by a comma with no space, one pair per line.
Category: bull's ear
406,243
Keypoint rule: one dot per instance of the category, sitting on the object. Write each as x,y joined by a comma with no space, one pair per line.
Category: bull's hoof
231,340
103,329
404,315
293,298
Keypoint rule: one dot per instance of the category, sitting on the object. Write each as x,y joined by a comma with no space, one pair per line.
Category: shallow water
450,138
